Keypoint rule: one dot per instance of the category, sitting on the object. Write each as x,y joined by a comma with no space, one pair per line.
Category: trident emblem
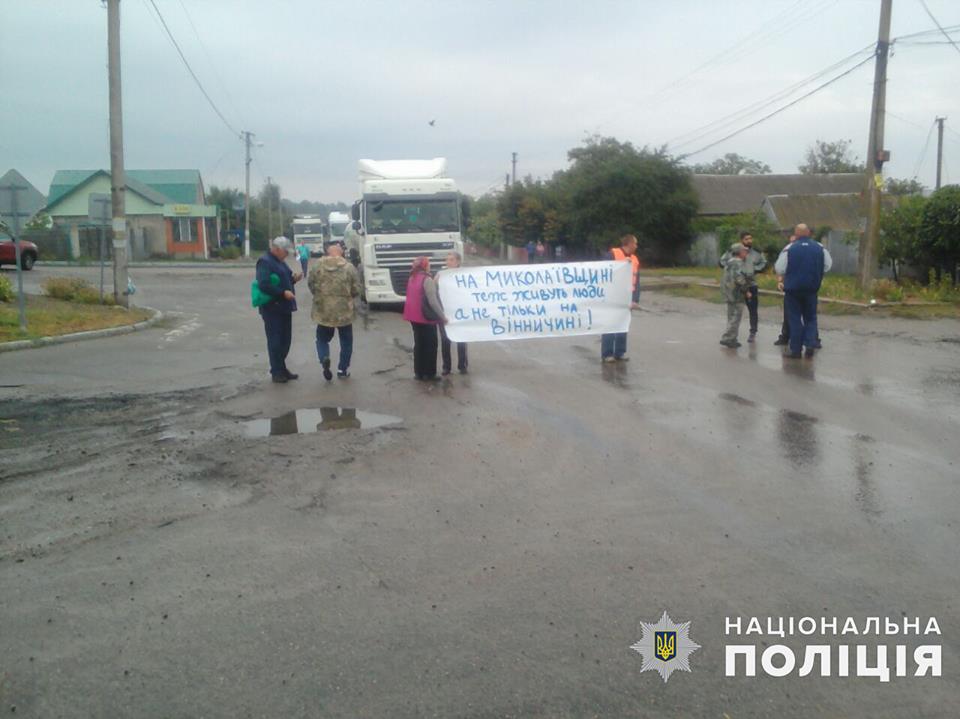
666,645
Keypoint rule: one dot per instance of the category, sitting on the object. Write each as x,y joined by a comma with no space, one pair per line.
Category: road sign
99,208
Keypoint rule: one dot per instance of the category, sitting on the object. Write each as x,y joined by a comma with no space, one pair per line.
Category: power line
780,109
950,39
923,152
213,65
786,19
735,117
190,69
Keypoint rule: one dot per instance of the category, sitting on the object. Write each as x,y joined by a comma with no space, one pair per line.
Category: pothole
308,421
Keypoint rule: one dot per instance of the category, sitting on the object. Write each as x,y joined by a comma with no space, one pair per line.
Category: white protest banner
525,301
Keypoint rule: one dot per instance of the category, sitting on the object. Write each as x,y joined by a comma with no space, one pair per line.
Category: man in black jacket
278,313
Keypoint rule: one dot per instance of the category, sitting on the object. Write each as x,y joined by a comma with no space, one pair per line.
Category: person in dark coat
802,265
278,313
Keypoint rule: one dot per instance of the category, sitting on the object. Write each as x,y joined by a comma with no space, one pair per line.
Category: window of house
182,231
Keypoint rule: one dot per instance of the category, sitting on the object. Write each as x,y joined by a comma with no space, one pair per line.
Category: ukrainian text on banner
526,301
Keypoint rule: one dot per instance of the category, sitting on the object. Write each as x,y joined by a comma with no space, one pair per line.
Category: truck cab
407,208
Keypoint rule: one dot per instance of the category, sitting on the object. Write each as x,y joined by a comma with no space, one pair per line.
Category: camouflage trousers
734,315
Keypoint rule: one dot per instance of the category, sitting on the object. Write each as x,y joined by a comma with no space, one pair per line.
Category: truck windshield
314,228
337,229
399,216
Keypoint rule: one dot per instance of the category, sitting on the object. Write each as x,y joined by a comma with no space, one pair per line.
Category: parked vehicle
28,253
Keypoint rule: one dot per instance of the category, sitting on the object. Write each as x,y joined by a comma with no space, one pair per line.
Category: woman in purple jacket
422,290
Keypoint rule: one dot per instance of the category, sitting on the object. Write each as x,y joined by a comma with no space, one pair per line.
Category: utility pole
118,180
939,150
15,214
876,155
514,174
246,203
506,182
269,208
280,211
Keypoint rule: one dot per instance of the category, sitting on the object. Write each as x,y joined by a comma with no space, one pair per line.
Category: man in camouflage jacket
736,288
335,286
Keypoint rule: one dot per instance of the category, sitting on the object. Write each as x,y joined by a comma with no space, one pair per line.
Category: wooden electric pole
118,181
246,203
939,150
876,155
513,176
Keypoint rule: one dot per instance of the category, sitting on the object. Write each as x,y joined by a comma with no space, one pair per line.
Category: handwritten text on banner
526,301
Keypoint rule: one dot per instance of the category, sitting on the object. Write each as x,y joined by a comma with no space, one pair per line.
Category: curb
226,264
81,336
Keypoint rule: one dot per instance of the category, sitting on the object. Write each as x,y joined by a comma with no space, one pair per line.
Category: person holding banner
453,262
613,347
422,309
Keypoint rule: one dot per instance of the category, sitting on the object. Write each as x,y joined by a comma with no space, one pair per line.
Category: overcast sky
325,82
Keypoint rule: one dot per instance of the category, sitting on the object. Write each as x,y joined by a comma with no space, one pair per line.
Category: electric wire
780,109
213,65
936,22
190,69
733,118
923,153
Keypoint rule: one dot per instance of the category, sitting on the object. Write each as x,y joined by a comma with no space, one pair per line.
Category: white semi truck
407,208
308,230
336,226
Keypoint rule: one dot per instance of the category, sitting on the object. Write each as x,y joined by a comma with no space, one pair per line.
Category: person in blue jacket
802,265
277,314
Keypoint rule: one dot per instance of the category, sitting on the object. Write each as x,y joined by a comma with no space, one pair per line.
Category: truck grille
397,257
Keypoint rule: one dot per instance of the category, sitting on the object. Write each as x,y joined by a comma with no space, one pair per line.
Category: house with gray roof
29,198
166,211
734,194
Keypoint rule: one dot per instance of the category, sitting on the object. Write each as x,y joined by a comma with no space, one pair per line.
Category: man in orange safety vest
613,346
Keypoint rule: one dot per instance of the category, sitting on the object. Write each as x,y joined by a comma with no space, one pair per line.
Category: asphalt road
494,553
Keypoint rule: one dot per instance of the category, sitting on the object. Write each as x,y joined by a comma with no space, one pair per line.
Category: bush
887,291
74,289
6,289
229,253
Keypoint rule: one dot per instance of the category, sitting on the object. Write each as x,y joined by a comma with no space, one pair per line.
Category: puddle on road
308,421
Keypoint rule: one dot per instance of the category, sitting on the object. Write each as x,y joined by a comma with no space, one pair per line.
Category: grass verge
49,317
920,312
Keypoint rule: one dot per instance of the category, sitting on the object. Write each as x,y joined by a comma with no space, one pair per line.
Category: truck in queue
407,208
308,230
336,227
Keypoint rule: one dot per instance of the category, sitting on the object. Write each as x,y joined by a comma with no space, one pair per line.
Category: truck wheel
27,260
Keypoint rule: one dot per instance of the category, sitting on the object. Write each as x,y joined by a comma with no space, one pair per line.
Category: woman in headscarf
424,312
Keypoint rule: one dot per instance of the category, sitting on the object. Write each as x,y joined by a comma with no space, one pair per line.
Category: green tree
732,164
902,188
823,157
612,189
40,221
940,231
900,232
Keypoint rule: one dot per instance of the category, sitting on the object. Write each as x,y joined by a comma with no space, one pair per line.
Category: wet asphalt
490,554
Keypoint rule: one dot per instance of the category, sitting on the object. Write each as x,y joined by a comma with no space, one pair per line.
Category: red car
8,253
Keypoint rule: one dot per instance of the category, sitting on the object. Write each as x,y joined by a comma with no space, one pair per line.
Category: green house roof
159,186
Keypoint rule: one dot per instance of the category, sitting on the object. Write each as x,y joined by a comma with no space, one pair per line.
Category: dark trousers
802,317
752,303
303,266
445,352
613,345
785,327
424,350
278,328
325,334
